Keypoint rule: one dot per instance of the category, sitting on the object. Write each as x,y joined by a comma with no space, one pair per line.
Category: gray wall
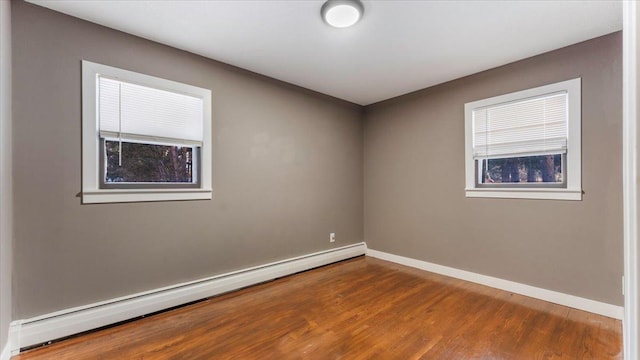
6,261
287,170
415,204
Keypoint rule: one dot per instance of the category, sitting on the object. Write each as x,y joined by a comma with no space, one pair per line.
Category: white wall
6,228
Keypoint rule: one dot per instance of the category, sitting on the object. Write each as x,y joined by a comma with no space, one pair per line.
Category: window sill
545,194
137,195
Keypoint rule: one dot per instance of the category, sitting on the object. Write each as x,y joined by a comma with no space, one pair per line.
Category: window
525,144
144,138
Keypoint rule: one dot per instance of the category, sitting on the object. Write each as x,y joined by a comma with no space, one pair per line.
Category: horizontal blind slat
558,145
136,138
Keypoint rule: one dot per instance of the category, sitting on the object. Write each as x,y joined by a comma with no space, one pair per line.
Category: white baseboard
67,322
575,302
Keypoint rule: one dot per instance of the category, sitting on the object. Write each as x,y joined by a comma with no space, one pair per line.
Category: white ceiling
398,47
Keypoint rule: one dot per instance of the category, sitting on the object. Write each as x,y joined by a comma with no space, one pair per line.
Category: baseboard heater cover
60,324
5,354
593,306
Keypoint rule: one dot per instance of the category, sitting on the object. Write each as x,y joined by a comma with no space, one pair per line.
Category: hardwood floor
361,308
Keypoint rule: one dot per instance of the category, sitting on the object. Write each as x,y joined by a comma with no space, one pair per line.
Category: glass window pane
148,163
543,169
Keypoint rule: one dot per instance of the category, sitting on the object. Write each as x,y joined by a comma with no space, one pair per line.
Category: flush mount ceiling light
342,13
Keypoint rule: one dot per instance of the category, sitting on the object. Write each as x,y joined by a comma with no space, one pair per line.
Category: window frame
92,192
573,157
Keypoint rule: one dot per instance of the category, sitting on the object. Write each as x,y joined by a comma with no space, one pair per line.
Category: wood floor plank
362,308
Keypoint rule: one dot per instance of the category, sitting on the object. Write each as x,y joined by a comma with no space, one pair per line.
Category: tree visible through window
148,163
528,169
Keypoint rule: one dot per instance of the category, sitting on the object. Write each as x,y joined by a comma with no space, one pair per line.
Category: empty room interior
341,179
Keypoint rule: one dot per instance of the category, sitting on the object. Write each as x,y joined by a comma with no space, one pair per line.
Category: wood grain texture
362,308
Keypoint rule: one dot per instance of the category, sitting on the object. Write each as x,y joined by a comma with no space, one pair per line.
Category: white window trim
91,191
573,191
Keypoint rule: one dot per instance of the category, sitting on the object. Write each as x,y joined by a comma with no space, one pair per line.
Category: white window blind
134,112
535,126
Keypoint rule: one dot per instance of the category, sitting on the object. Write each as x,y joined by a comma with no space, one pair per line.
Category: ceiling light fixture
342,13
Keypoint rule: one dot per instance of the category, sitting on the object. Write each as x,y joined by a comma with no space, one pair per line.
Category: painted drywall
414,181
287,171
5,172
